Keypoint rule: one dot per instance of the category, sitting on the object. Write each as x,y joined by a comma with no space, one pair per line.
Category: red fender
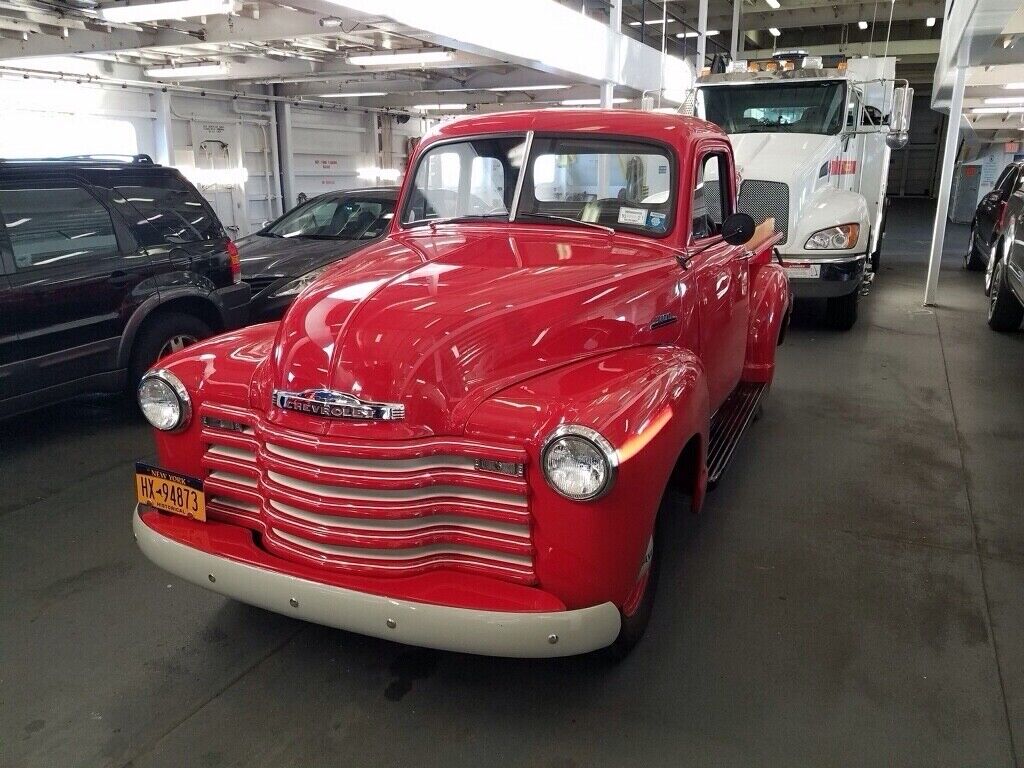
769,309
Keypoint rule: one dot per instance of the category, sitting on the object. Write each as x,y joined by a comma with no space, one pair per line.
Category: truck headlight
298,285
164,401
834,238
578,462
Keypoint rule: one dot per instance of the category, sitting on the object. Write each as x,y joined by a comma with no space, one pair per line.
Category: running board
728,425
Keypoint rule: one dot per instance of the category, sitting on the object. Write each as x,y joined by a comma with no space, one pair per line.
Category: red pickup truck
461,436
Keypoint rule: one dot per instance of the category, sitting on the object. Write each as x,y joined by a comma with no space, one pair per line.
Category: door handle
119,277
745,255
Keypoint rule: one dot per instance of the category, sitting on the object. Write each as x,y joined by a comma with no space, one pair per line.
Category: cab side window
174,213
55,227
711,203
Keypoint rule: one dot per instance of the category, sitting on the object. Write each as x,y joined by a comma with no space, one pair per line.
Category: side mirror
738,228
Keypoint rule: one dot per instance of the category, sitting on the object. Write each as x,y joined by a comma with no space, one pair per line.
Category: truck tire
841,311
635,614
159,337
973,261
1005,312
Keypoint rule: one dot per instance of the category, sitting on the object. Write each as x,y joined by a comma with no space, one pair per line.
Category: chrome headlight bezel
596,440
850,233
299,284
177,389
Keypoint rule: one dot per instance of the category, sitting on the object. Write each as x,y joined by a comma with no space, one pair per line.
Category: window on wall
56,226
46,134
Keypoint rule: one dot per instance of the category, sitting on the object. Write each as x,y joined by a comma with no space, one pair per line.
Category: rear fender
648,402
769,308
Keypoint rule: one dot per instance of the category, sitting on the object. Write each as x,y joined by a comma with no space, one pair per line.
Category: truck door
722,276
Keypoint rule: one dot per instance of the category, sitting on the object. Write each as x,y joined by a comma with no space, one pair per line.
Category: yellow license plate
170,492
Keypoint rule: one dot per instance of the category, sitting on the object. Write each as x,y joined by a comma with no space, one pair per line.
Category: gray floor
853,594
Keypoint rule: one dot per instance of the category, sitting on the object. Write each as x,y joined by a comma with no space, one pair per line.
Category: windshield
476,177
775,107
335,217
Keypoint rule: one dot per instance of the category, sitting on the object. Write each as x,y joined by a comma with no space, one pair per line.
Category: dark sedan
290,253
983,251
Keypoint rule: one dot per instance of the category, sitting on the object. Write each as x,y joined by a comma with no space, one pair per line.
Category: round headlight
579,463
164,401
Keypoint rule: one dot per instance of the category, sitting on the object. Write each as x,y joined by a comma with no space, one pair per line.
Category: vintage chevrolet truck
461,436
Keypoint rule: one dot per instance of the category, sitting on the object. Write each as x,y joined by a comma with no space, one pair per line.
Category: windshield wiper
569,219
456,219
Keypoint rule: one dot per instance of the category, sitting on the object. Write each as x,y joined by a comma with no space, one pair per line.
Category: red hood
439,321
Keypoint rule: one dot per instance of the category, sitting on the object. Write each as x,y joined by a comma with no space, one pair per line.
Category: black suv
105,266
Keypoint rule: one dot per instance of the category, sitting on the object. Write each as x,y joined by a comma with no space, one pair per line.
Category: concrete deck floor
852,595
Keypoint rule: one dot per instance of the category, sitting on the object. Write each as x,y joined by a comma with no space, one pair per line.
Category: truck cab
812,148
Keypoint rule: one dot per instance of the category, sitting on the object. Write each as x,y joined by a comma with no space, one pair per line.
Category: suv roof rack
140,159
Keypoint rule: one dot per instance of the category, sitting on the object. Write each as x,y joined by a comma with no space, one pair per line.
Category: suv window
56,226
176,212
711,203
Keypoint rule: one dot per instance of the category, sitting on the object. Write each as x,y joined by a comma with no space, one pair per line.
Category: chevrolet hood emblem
328,404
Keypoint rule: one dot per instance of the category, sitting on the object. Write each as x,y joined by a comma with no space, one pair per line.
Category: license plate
803,270
170,492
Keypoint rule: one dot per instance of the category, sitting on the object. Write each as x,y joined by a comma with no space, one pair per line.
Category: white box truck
812,149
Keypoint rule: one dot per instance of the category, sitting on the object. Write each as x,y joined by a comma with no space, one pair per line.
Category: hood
290,257
438,322
785,157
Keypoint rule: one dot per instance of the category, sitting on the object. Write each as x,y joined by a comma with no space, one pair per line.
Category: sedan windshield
775,107
335,217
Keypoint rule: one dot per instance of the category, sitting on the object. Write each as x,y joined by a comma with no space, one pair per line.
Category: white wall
228,147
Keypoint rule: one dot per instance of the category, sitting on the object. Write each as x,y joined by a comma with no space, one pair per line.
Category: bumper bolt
552,639
293,602
211,577
391,623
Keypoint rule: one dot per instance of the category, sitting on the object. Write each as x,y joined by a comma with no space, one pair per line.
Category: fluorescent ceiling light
176,9
441,107
996,110
930,21
862,24
710,33
1014,86
652,22
529,88
418,57
353,95
1005,100
774,30
588,102
773,3
197,70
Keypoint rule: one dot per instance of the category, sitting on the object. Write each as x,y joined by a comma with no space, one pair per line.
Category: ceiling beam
907,50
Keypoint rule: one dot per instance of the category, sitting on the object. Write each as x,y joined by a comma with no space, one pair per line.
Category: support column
945,184
702,34
287,155
163,135
615,24
737,5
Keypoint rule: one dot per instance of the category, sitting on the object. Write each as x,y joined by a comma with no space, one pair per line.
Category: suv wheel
972,260
162,336
1004,309
841,311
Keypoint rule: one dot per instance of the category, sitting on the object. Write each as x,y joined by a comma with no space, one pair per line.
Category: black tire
973,261
155,336
1005,312
989,265
876,257
841,311
635,623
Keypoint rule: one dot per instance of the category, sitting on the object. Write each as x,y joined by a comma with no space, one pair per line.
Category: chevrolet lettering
337,405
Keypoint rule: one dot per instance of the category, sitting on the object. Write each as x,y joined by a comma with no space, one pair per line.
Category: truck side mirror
899,119
738,228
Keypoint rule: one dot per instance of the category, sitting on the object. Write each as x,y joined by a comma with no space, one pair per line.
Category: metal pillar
945,183
286,155
735,49
702,34
163,135
615,23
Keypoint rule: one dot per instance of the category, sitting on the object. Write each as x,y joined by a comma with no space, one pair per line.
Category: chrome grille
765,200
389,509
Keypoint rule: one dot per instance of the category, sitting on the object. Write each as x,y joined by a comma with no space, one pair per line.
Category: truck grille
765,200
371,508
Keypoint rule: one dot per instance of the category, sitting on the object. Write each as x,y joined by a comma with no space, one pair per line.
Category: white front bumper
490,633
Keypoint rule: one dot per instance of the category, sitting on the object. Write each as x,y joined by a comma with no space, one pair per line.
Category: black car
288,254
105,266
989,220
1006,294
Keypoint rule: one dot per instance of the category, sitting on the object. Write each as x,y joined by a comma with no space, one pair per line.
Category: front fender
829,207
648,402
769,307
